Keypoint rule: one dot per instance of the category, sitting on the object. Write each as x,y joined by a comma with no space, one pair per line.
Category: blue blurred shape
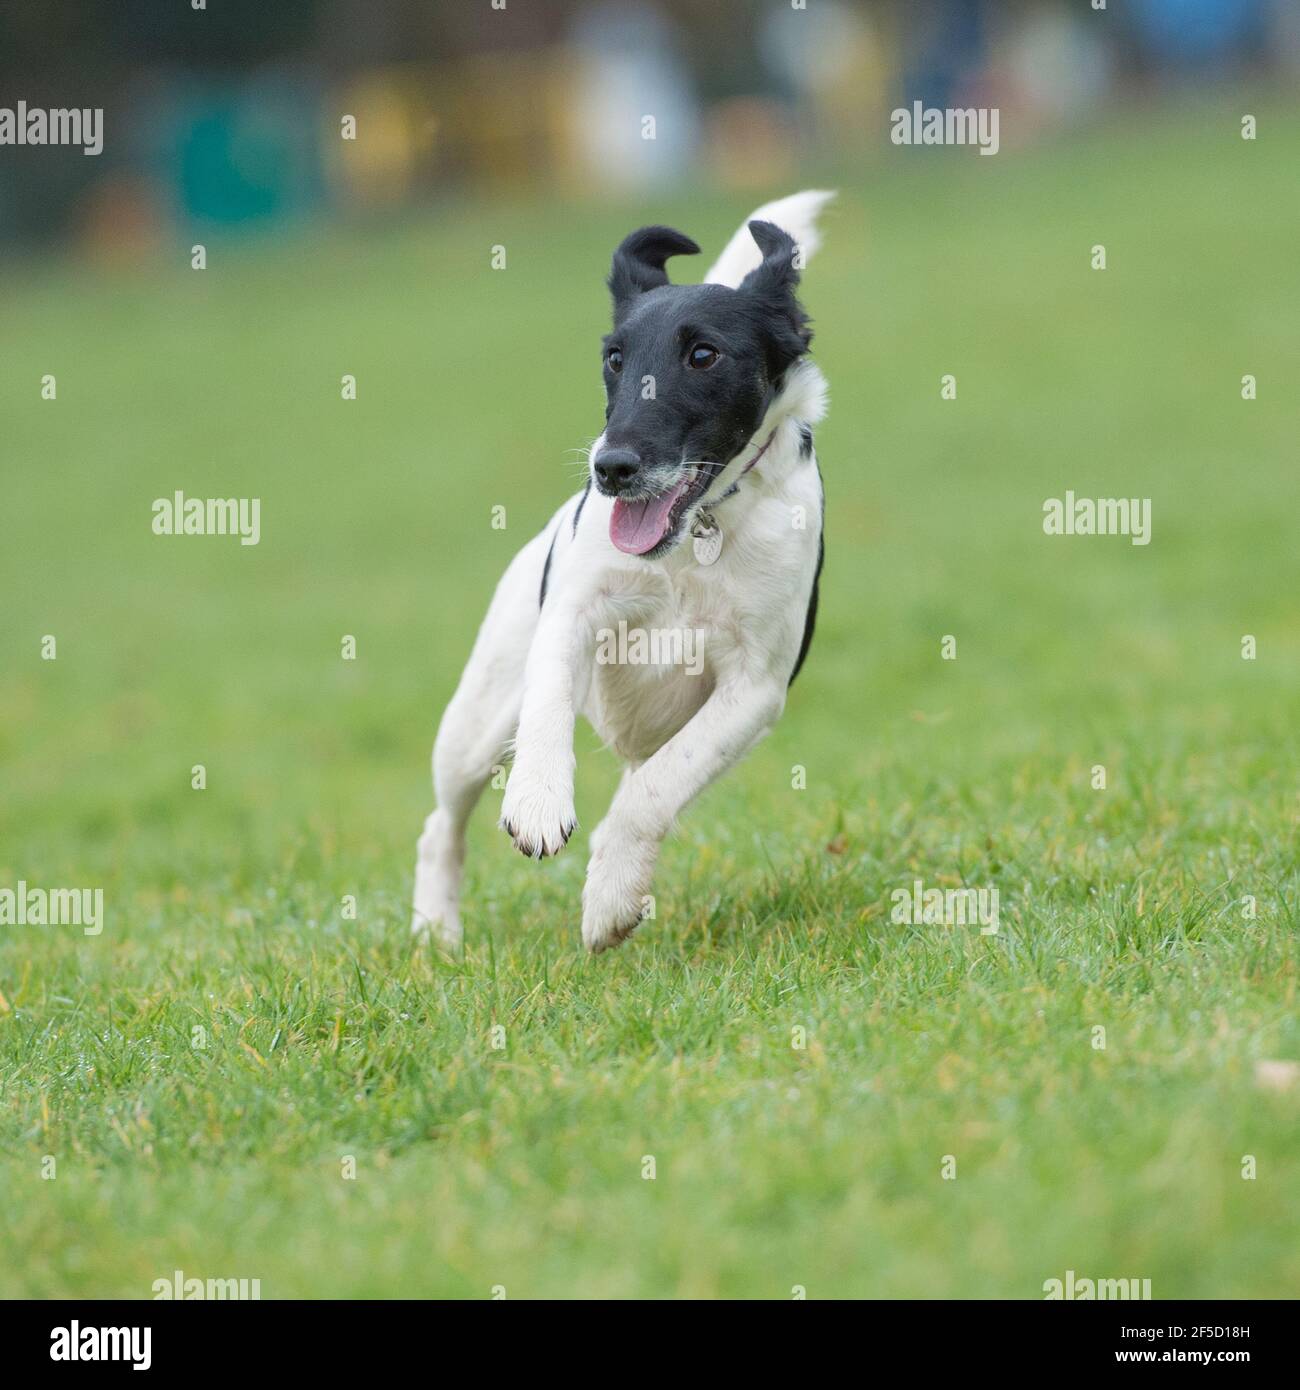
1192,32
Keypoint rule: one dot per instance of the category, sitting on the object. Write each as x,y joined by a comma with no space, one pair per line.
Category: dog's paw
616,895
439,926
537,812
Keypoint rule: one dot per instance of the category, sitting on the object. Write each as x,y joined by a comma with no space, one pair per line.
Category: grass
521,1165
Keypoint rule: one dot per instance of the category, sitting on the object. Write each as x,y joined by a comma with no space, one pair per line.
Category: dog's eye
702,356
615,359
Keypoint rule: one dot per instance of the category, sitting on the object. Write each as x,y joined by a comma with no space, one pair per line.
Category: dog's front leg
537,809
625,845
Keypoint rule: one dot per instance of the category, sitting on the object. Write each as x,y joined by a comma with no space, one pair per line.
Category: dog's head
690,371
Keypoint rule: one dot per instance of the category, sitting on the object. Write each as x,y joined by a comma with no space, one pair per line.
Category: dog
700,524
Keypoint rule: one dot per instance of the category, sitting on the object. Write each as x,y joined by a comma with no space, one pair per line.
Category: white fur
531,673
796,214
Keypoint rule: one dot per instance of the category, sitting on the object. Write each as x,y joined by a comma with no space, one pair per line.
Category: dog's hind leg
473,738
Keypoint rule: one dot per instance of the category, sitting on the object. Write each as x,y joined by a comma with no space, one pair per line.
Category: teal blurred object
245,153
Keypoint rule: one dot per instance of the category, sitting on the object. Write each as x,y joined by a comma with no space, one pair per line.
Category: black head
689,373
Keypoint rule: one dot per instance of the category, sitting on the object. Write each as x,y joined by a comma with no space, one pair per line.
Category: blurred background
229,117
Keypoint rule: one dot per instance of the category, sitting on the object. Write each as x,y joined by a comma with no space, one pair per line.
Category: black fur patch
582,502
810,621
546,568
805,440
555,535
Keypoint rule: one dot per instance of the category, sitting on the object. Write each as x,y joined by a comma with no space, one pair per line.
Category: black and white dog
699,531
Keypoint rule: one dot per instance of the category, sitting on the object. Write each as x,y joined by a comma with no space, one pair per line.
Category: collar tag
706,538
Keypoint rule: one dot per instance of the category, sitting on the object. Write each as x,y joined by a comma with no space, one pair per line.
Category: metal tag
706,538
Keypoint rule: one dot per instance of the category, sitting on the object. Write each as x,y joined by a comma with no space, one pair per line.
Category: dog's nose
616,468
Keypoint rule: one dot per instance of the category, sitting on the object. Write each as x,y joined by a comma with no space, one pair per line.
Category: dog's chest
656,667
679,630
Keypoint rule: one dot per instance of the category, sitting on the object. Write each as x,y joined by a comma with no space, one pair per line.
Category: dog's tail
796,214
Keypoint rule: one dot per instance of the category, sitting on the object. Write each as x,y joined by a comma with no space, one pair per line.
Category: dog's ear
773,285
639,263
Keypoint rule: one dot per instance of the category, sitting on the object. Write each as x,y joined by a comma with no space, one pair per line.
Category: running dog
700,526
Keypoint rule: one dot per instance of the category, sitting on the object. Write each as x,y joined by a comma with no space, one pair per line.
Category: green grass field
521,1166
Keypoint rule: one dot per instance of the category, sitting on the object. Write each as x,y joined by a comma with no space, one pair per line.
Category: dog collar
706,534
735,487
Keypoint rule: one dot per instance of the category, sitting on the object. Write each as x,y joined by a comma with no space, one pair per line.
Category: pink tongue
636,527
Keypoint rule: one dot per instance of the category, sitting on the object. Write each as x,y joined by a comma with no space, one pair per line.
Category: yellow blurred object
419,125
379,165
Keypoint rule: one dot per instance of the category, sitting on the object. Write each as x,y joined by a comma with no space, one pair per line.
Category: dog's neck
761,471
714,497
778,445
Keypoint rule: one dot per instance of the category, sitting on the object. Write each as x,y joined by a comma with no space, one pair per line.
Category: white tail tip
796,214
